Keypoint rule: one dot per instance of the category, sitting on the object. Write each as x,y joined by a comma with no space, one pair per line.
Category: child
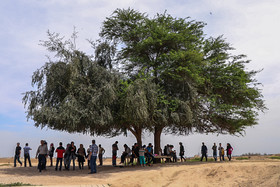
142,151
223,153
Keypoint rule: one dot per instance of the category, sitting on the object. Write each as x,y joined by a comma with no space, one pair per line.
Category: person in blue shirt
149,154
26,150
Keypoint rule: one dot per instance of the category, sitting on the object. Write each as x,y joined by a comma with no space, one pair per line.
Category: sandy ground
258,171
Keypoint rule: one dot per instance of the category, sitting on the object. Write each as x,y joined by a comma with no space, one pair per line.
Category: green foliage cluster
274,157
242,158
160,74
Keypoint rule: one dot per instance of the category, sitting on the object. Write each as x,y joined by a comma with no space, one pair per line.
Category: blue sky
251,26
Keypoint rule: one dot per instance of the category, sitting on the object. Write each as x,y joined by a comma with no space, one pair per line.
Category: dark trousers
150,158
229,157
174,157
123,157
222,157
41,162
58,160
93,164
71,157
51,159
27,157
182,156
114,160
215,156
100,159
132,158
66,162
88,161
203,155
81,165
17,159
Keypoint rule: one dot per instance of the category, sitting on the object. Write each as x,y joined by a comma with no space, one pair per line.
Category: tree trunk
137,132
138,137
157,135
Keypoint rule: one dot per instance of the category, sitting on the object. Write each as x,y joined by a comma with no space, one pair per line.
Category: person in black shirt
72,155
182,152
51,153
17,155
135,153
203,152
114,153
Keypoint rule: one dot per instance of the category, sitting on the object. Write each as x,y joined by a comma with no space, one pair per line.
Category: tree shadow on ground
102,172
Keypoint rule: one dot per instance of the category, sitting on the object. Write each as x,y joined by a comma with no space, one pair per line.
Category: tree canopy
161,74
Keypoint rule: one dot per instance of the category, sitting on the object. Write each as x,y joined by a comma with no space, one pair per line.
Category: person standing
173,153
72,155
60,151
51,153
41,154
88,158
182,152
221,152
66,157
167,153
142,151
81,156
100,155
93,157
214,148
17,155
114,153
229,151
203,152
26,150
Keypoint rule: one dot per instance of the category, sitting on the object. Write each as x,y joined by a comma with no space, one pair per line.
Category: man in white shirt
41,154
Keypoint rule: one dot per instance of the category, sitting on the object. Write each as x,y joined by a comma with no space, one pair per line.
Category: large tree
201,86
161,74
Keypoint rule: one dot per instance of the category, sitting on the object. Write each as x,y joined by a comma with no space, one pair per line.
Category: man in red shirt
60,151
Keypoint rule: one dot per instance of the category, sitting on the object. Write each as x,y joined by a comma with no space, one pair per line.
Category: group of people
26,150
140,153
221,150
168,151
144,155
65,155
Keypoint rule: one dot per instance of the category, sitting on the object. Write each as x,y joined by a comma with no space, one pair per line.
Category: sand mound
260,172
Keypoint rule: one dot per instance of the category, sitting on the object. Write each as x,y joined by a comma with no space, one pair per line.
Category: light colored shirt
94,150
141,152
101,151
128,150
26,149
42,150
